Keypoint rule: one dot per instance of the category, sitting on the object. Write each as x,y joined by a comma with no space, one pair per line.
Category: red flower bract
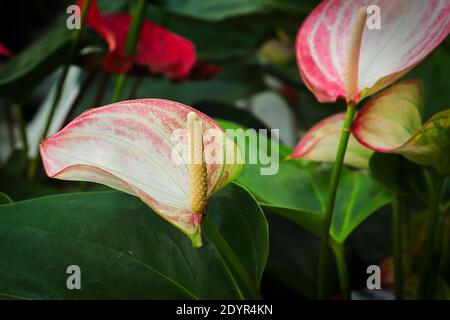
160,50
5,52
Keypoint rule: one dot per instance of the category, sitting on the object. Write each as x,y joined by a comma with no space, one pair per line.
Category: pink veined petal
129,146
391,118
321,141
410,30
391,123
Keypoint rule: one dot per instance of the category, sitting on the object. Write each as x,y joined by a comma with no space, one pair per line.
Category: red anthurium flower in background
204,70
162,51
409,31
4,51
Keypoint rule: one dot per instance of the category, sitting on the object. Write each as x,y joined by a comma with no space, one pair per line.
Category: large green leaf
4,198
234,82
292,6
294,271
230,112
430,144
14,183
213,9
398,174
298,191
26,69
126,251
225,40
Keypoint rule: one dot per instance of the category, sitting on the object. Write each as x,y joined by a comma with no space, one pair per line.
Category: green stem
10,128
344,281
335,177
397,245
83,89
230,256
134,31
101,89
135,87
119,87
445,244
430,263
23,134
59,88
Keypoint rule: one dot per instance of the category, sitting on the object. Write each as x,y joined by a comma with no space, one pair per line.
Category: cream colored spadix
197,167
130,145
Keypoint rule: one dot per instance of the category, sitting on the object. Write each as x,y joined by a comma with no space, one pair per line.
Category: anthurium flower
391,122
336,61
4,51
320,143
162,51
130,146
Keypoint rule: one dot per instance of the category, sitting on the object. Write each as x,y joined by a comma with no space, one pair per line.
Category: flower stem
429,268
120,82
134,31
344,281
335,177
135,87
59,89
83,89
397,245
101,89
231,256
18,114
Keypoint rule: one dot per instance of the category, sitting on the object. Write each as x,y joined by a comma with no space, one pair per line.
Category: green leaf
430,144
398,174
298,191
295,271
25,70
4,198
238,38
126,251
292,6
213,9
14,183
228,111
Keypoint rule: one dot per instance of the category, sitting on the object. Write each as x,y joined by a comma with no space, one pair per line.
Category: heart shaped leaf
298,190
124,251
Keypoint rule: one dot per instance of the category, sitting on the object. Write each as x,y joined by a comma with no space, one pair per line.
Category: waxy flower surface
392,123
129,146
320,143
330,57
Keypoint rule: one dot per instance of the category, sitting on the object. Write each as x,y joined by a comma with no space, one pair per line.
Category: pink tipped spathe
410,30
